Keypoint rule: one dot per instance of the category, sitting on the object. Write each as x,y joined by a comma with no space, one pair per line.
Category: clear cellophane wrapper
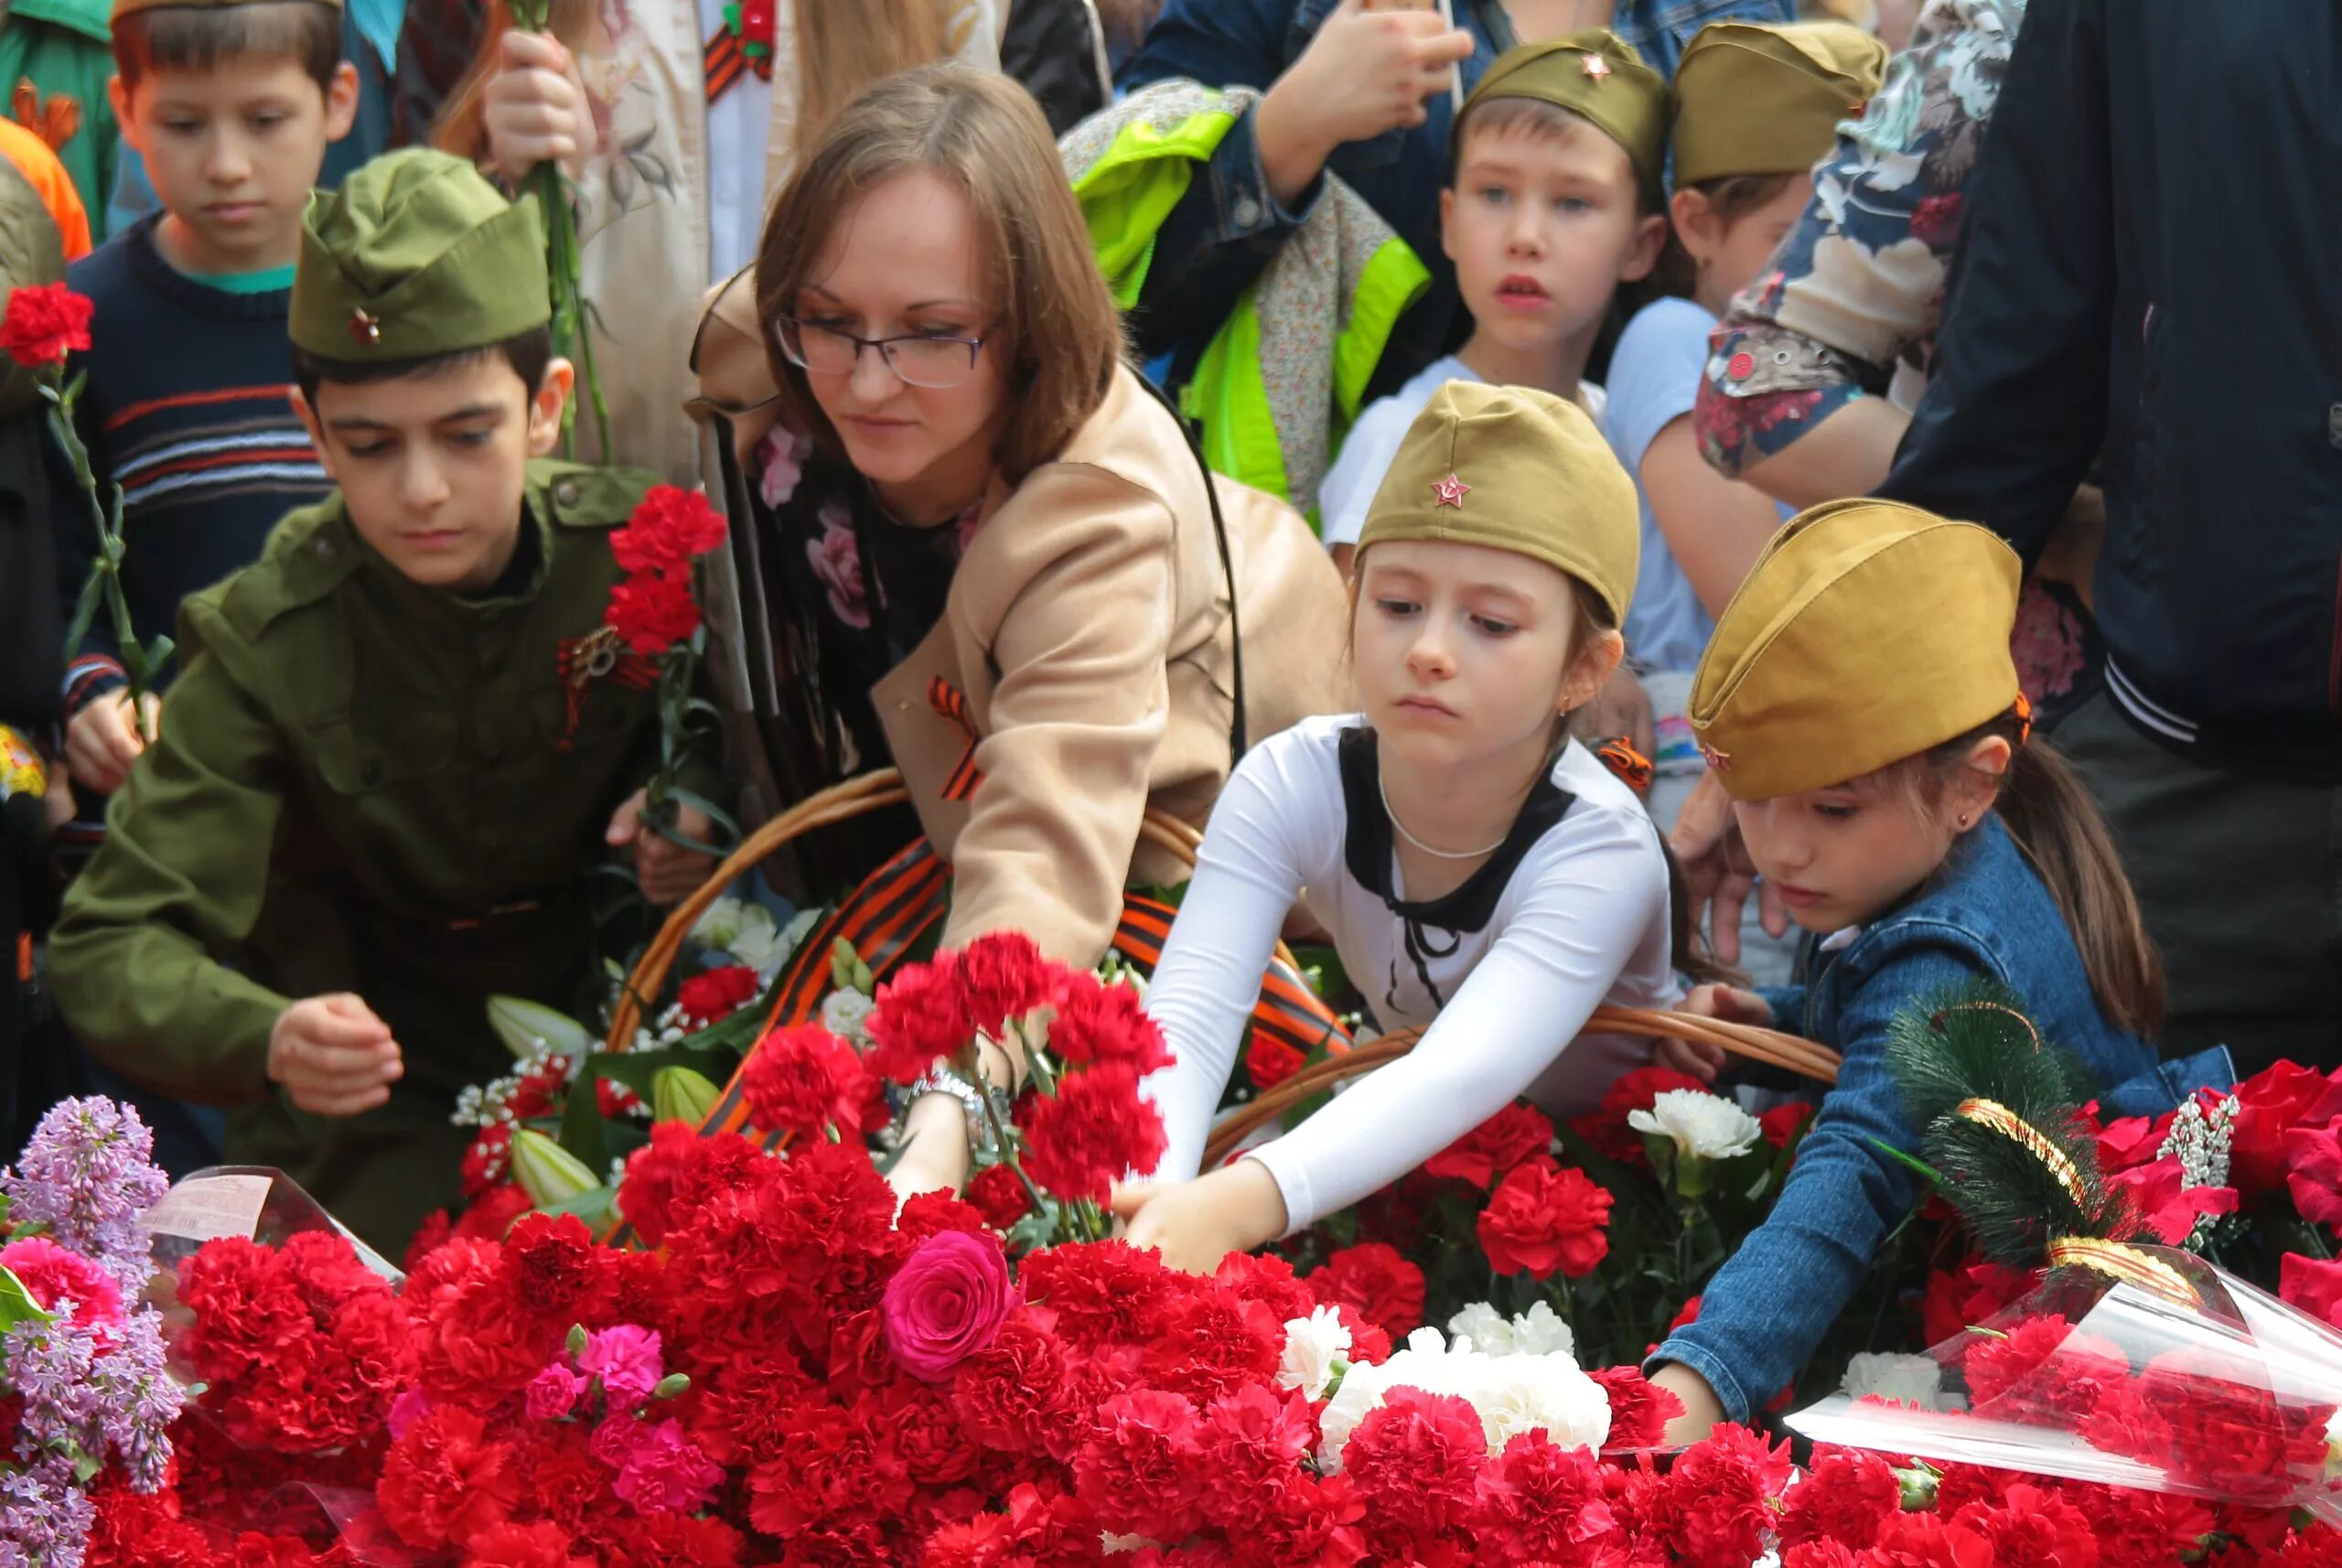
2130,1366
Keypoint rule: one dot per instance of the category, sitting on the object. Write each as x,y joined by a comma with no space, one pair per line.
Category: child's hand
1717,873
333,1055
1194,1224
1365,73
101,741
534,107
1698,1057
1701,1408
666,870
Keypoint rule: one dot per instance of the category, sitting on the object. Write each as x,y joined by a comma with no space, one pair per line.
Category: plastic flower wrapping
2130,1366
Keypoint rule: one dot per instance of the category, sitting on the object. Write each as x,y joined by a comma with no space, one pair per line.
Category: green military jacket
362,785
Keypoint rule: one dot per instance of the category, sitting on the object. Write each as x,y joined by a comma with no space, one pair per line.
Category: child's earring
1965,818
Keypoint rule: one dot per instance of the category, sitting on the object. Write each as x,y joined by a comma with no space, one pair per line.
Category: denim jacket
1986,915
1228,225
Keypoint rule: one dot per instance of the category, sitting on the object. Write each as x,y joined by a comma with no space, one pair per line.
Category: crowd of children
972,541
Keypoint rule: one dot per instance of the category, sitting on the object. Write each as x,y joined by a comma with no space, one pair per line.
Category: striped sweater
187,409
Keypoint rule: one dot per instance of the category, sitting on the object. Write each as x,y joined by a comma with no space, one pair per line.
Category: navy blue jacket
2152,263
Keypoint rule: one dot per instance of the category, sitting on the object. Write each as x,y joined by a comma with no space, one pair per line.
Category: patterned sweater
187,410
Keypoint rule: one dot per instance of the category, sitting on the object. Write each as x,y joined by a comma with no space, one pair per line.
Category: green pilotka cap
1514,468
1597,74
1751,98
125,7
416,256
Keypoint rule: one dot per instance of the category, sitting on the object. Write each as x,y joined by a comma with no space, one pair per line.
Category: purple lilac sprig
44,1518
86,1403
85,1177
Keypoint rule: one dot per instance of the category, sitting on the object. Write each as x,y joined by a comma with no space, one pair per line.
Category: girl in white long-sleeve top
1481,873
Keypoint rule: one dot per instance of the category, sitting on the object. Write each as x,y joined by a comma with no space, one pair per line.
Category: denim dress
1986,915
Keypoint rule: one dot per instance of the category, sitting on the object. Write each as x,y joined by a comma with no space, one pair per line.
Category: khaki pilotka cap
1766,99
414,257
1513,469
1867,632
1595,73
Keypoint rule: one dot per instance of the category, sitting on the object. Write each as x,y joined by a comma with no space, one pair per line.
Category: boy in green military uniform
376,796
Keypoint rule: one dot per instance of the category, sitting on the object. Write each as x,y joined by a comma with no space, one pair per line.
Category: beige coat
1088,628
642,211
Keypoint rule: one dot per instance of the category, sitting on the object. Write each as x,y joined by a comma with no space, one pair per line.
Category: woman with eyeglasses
989,554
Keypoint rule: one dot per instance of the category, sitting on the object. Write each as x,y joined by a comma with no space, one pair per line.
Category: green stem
107,566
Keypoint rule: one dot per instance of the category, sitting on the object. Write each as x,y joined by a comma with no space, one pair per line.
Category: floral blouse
856,589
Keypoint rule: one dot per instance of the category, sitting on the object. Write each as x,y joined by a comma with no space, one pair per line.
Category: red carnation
653,612
1270,1061
918,1020
446,1482
1386,1289
557,1268
1103,1293
1929,1540
1539,1502
45,322
1012,1396
1720,1497
1251,1445
714,996
667,528
1268,1279
1488,1152
999,1197
1139,1468
1846,1496
2036,1527
1002,977
539,1545
1545,1218
1822,1554
1213,1342
1783,1123
1416,1461
2315,1180
805,1079
1096,1023
1080,1140
676,1171
2312,1284
1639,1410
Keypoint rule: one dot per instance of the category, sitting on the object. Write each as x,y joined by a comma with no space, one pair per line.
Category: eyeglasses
919,360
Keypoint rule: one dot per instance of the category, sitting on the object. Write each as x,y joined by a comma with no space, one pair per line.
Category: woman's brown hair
1057,330
2058,826
842,46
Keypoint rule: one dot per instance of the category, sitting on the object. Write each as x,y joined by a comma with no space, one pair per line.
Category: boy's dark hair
204,38
528,353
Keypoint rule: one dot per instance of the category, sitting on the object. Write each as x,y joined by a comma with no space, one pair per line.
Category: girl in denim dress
1859,703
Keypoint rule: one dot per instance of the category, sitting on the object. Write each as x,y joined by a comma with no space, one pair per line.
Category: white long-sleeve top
1570,915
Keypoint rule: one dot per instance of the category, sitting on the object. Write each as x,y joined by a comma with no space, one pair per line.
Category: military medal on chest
599,655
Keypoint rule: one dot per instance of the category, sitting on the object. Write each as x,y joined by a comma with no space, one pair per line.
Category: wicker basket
875,792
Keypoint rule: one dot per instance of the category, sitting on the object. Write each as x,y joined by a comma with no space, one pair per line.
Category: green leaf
85,610
1926,1171
16,1303
581,1134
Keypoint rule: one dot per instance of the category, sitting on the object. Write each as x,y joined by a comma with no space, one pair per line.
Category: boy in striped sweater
232,104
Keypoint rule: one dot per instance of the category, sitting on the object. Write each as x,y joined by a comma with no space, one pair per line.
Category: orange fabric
39,165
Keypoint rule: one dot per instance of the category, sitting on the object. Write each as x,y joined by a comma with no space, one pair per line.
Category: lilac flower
85,1176
44,1518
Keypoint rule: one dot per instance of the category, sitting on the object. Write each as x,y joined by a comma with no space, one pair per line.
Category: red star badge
367,329
1449,491
1594,66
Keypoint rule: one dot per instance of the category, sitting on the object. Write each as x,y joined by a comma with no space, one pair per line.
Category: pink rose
781,458
627,1360
946,1303
837,561
51,1274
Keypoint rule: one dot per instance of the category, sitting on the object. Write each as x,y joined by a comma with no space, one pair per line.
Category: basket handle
855,797
1798,1055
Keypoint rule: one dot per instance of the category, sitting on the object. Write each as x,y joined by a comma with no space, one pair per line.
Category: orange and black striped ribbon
952,703
726,60
1632,766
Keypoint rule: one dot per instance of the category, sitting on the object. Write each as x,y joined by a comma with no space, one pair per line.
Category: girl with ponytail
1859,705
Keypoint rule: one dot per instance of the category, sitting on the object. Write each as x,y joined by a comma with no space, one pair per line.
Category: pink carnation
661,1470
627,1360
51,1274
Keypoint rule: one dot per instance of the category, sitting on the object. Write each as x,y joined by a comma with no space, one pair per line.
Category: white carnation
1483,1327
1312,1345
1525,1394
846,1015
1904,1380
1705,1126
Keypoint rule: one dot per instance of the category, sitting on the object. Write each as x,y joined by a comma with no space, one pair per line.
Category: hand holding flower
1194,1224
